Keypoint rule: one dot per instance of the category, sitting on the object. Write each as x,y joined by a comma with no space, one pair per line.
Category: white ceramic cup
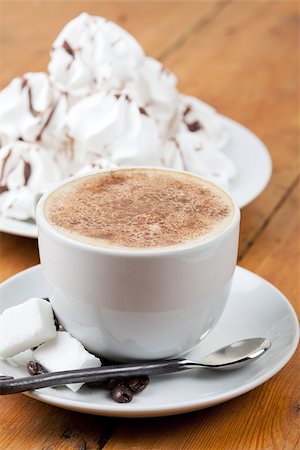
137,304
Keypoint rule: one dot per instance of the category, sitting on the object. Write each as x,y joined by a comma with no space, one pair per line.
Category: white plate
246,150
255,308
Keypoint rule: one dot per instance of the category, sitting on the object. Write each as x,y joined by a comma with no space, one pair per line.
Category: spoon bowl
237,354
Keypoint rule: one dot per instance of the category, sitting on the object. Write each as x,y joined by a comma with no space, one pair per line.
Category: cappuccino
139,209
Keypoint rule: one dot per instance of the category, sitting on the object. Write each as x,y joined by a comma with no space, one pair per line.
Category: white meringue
202,120
113,126
91,54
26,105
95,165
33,111
103,105
26,170
197,142
182,153
154,89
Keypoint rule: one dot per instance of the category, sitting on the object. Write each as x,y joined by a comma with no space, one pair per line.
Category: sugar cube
26,325
65,353
21,359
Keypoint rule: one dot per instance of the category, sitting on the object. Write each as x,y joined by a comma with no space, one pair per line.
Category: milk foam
139,209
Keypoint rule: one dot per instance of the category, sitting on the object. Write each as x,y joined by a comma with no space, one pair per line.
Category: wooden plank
265,418
16,254
275,255
30,425
244,63
29,28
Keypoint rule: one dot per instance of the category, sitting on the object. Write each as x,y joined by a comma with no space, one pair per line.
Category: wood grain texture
241,57
16,254
28,28
244,62
30,425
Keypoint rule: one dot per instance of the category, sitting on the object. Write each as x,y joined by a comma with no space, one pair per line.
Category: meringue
26,170
154,90
92,54
103,104
26,106
197,141
111,125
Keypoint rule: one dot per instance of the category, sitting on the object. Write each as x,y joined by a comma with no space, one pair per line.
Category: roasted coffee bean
137,384
121,394
35,368
114,382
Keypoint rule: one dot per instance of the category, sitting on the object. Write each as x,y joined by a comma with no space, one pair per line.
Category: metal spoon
232,356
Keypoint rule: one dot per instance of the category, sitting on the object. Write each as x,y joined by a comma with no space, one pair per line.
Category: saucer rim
117,410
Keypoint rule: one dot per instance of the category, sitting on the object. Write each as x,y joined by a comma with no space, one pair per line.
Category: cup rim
122,251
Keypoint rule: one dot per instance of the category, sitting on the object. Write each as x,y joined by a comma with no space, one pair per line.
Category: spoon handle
12,386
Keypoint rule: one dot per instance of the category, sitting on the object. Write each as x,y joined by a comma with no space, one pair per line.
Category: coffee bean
35,368
121,394
114,382
138,384
108,384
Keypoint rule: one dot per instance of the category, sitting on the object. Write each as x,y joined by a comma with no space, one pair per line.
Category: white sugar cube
26,325
21,359
65,353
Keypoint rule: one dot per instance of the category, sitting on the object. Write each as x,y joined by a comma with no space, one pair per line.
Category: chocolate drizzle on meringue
5,159
27,172
143,111
31,108
39,136
184,164
24,84
187,110
126,96
194,126
67,47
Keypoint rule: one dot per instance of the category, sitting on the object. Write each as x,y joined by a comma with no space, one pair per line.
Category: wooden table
240,57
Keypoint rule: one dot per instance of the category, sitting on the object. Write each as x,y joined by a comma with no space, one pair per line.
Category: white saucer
245,149
255,308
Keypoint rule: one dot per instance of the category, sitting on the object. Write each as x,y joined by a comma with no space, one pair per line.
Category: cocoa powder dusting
138,208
